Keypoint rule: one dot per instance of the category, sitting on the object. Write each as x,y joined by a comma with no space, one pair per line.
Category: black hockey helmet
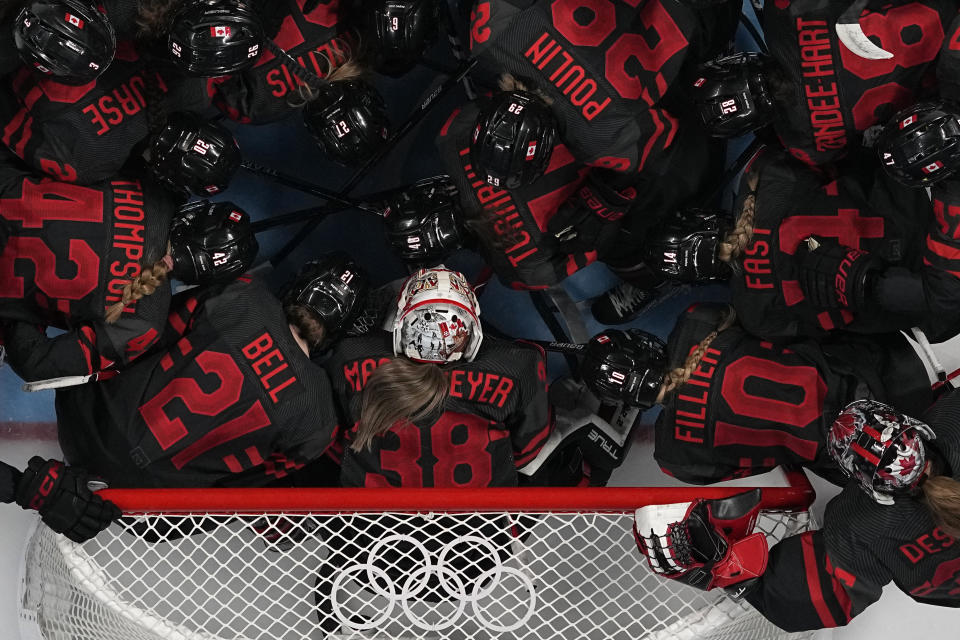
731,94
683,248
424,221
921,144
513,139
348,119
211,241
333,288
211,38
195,155
625,366
70,40
398,32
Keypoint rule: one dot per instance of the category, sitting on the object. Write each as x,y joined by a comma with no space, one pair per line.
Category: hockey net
516,564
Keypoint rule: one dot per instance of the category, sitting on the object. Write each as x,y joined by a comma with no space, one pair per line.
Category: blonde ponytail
678,377
399,390
509,82
942,496
143,285
739,239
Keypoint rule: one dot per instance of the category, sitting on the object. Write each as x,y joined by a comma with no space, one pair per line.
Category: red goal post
510,564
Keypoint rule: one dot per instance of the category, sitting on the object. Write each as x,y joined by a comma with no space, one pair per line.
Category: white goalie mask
437,318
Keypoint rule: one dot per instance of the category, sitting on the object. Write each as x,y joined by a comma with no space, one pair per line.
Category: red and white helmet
437,318
880,447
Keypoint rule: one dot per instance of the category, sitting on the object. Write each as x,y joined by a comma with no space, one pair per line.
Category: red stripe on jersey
825,320
25,138
955,274
792,293
232,463
175,321
87,336
184,345
656,134
731,434
942,249
446,125
838,591
253,419
813,580
166,362
13,126
255,458
866,454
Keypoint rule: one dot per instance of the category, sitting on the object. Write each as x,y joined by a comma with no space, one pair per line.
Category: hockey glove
684,248
63,499
704,543
590,219
833,276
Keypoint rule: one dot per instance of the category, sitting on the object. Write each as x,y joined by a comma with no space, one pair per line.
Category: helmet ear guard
424,222
513,139
194,155
69,40
211,241
625,366
333,288
881,448
210,38
921,144
437,318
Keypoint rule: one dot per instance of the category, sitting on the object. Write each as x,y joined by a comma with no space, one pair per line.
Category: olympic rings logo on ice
415,584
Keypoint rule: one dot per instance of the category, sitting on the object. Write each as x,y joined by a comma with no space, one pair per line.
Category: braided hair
676,378
146,282
741,237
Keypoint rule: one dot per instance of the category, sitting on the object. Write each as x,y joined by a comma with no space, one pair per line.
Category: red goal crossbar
799,495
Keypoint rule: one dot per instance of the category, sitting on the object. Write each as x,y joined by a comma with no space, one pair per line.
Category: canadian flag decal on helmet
699,82
74,20
220,32
531,149
908,121
933,166
236,216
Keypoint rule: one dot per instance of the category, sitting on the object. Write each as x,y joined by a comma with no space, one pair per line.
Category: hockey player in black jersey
736,405
61,495
230,397
85,132
812,254
121,238
429,405
896,520
824,94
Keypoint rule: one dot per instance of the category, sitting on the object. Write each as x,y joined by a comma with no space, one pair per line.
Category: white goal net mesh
254,576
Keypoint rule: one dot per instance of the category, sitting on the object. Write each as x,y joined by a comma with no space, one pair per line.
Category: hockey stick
852,36
306,187
404,129
67,381
453,37
566,348
738,165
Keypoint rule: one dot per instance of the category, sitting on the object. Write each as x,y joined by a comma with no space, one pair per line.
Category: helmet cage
881,448
437,318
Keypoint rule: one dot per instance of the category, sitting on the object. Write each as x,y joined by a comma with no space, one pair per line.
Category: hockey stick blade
58,383
852,36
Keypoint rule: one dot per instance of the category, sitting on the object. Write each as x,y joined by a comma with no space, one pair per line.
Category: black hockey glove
833,276
63,499
684,247
590,219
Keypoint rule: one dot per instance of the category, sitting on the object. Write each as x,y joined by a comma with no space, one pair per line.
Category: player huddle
599,133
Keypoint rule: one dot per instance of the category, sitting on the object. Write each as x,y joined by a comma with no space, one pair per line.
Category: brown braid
143,285
678,377
741,237
509,82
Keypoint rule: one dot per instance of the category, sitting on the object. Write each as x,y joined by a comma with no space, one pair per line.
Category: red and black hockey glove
590,219
63,499
704,543
833,276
